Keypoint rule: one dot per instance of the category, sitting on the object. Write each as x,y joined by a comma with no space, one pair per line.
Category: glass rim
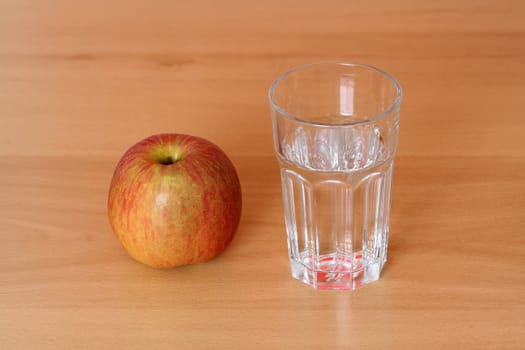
375,117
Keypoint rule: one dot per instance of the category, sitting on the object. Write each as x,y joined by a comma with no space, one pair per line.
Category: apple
174,200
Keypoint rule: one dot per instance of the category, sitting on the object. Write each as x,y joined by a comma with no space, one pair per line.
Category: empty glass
335,129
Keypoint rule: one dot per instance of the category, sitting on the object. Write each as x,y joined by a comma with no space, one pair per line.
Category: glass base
335,273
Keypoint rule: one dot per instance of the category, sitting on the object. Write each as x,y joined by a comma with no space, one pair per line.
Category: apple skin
174,200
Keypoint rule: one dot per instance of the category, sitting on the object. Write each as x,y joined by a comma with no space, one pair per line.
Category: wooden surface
82,81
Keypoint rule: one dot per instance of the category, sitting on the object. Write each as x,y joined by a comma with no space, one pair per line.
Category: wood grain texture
81,82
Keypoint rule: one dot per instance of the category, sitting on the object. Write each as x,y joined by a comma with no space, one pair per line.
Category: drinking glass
335,128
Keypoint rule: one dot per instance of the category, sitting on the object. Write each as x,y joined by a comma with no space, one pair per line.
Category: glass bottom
335,272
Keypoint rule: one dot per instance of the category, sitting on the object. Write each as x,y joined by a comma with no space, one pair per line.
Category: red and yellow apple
174,200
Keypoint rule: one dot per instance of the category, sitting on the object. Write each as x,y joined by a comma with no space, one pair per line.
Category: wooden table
82,81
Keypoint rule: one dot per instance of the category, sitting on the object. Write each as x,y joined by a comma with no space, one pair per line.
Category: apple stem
167,160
